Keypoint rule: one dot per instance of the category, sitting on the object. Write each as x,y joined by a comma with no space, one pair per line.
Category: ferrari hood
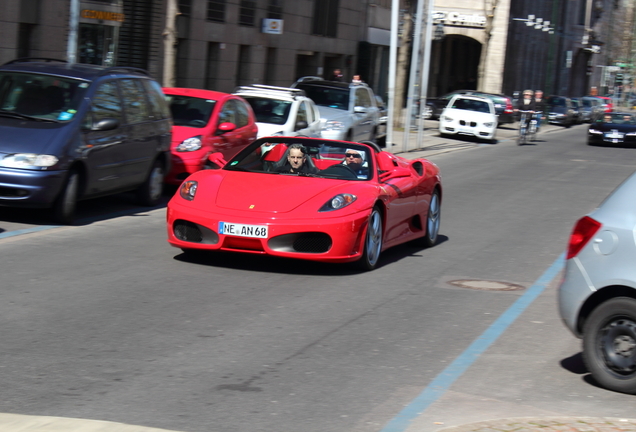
270,193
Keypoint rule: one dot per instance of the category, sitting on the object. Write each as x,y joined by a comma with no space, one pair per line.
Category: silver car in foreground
597,297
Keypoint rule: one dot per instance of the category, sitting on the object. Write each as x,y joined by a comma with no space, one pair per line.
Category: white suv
348,111
281,111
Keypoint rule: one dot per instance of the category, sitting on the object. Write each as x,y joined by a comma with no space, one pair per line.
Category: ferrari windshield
40,97
305,158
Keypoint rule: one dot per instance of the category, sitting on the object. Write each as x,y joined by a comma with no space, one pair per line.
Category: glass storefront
98,32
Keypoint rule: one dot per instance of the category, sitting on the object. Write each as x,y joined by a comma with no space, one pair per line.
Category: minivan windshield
40,97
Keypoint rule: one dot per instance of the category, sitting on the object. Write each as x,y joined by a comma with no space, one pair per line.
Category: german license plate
240,230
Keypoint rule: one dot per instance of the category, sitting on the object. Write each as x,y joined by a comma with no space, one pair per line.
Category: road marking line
27,231
448,376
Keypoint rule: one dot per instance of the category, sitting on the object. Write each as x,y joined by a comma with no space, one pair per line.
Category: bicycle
523,127
532,130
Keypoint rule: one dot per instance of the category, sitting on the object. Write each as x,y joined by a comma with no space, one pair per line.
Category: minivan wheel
64,206
609,344
149,193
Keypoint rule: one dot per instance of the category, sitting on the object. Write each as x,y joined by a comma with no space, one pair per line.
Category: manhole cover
486,285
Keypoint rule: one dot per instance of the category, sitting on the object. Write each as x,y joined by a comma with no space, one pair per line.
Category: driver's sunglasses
353,155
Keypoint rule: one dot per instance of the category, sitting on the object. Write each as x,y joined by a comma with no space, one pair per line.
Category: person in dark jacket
296,161
539,107
527,106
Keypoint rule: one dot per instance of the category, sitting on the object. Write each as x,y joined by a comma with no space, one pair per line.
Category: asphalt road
105,321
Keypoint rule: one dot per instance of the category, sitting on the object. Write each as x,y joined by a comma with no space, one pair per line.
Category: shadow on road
87,212
271,264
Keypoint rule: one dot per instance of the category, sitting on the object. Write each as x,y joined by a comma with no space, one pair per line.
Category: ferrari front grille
187,231
194,233
307,242
312,243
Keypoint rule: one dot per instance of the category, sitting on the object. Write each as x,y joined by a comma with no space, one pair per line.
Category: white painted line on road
456,369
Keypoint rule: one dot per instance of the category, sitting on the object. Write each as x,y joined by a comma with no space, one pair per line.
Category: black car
502,103
76,131
559,111
613,128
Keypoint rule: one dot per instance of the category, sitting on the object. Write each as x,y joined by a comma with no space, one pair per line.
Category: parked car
576,110
469,115
75,131
597,295
281,111
503,105
206,121
613,128
380,137
559,111
435,105
606,102
347,207
590,108
347,111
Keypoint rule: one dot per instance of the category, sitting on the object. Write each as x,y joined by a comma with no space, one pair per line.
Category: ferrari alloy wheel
433,220
64,207
372,241
609,344
149,193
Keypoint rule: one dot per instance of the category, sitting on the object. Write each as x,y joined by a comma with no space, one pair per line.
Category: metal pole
426,65
395,9
415,56
73,24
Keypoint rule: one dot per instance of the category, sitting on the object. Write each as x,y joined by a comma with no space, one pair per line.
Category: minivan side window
160,108
135,104
106,103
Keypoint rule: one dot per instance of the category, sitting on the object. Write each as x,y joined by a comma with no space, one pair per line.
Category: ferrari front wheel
432,222
372,241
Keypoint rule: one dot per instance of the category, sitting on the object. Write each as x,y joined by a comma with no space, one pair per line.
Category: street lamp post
543,25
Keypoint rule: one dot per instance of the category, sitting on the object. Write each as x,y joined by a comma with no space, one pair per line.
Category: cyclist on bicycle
539,107
526,108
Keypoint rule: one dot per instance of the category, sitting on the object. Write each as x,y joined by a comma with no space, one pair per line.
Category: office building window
212,65
270,66
216,10
247,12
185,7
325,21
275,9
243,66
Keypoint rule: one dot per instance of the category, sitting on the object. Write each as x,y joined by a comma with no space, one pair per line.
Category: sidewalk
24,423
433,144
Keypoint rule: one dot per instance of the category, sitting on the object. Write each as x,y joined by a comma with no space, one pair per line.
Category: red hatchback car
206,121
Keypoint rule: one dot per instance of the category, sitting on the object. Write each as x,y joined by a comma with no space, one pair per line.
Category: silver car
597,297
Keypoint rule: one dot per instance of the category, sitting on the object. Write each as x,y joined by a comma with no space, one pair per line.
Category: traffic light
619,79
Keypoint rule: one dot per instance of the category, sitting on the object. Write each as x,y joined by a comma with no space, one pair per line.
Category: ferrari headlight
188,189
28,160
334,125
190,144
338,202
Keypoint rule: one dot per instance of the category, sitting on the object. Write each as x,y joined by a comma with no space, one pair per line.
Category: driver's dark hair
300,147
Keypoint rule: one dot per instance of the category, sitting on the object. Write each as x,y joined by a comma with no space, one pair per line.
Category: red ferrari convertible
307,198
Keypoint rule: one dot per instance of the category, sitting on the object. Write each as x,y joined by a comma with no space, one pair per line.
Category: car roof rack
112,69
33,59
293,92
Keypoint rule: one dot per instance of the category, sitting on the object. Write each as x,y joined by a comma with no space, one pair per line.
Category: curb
549,424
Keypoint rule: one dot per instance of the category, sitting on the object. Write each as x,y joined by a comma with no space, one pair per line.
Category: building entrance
454,64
